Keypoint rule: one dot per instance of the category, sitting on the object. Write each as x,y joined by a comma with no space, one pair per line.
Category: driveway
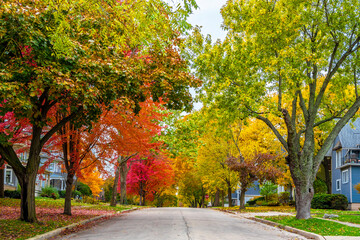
181,224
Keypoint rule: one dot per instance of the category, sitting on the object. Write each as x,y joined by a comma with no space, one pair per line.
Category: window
345,176
8,176
51,167
338,158
338,185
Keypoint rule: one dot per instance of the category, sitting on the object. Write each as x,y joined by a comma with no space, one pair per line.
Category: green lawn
318,226
259,209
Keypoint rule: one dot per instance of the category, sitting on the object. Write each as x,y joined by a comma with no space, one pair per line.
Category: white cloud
208,16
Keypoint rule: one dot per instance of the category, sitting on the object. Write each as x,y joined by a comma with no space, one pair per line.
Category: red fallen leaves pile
53,214
49,215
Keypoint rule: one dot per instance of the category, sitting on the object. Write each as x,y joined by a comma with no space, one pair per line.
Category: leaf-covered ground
49,214
318,226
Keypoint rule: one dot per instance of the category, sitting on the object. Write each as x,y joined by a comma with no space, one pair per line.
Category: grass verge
314,225
259,209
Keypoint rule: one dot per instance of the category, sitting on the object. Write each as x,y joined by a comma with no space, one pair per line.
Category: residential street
181,224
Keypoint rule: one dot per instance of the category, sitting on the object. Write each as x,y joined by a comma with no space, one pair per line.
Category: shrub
76,193
273,203
273,197
90,200
261,203
49,192
84,189
357,187
320,186
253,201
329,201
267,190
62,193
284,198
12,194
291,203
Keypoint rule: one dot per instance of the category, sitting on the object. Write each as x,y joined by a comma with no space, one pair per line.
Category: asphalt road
181,224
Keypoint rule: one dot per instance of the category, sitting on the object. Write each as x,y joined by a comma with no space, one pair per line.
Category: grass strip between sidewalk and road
314,225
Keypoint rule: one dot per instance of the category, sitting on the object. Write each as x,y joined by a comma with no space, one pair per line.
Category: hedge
329,201
49,192
12,194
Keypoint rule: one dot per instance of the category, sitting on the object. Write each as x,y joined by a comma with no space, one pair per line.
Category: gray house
10,180
53,176
345,163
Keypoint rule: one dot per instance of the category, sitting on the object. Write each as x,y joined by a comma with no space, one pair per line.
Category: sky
208,16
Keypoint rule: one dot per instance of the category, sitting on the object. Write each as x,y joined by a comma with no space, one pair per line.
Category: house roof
349,136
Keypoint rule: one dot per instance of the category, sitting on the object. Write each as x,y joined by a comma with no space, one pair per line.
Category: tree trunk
303,176
303,196
115,185
2,173
27,183
222,198
326,163
217,198
202,201
69,185
229,196
242,198
144,198
141,194
124,170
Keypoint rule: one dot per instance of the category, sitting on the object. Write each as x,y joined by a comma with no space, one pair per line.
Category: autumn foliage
150,177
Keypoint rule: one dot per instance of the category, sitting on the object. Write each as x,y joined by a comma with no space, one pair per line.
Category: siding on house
336,172
355,179
255,190
345,187
348,142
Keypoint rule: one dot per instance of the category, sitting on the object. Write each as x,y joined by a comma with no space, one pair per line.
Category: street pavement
182,224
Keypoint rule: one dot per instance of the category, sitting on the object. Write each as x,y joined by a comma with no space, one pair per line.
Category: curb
289,229
58,231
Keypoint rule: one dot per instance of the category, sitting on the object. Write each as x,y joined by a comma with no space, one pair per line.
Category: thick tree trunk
303,176
303,196
123,177
2,173
115,185
69,185
27,183
242,198
217,198
229,196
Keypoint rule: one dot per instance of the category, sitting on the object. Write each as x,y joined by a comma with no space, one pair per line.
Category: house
254,191
10,180
345,163
52,176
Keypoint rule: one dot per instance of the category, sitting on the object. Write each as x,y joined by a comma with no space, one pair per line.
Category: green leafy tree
268,189
292,59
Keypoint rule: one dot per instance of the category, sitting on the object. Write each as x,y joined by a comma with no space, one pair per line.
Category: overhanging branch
276,132
58,126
